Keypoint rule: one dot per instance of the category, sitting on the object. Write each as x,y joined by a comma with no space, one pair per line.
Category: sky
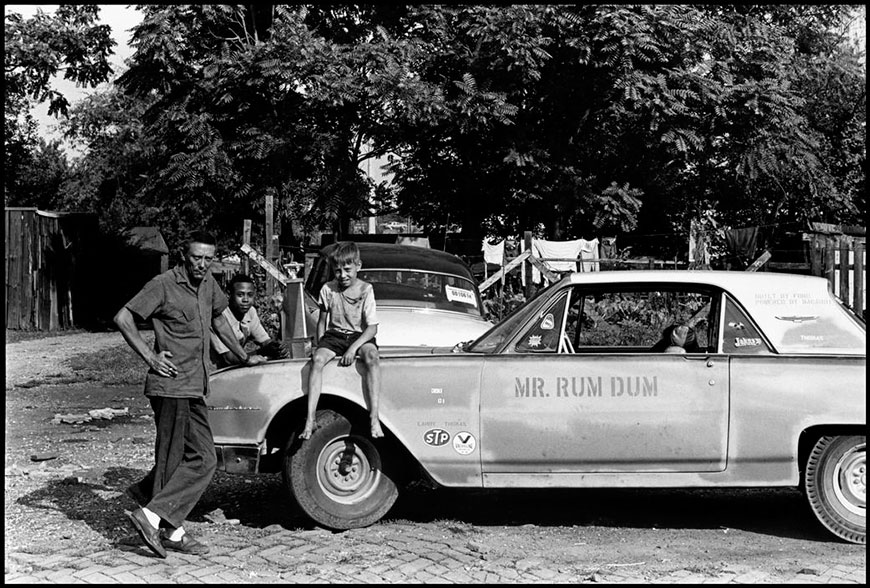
120,17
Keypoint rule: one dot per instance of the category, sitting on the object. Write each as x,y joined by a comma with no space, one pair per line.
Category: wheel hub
850,480
344,472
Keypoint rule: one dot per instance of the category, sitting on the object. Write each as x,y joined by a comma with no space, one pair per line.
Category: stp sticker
436,437
464,443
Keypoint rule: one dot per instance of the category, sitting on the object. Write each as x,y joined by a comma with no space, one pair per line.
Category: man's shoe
149,535
136,495
186,544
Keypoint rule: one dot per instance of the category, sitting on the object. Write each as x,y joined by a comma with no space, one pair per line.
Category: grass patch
16,335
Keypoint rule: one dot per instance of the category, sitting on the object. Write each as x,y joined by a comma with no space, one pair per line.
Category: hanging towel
543,249
493,253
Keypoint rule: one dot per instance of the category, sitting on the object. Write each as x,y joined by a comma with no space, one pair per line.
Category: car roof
744,285
712,277
390,256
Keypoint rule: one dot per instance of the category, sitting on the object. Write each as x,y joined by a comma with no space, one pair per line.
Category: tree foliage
570,120
36,50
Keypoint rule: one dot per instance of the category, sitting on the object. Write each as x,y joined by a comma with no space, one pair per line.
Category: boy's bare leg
315,384
371,359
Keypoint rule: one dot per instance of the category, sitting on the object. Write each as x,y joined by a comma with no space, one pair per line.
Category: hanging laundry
493,253
589,250
742,244
543,249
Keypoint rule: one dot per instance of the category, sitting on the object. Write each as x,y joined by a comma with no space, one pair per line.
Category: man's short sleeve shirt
182,316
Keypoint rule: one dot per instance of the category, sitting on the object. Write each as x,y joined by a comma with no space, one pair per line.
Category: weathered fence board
858,290
41,263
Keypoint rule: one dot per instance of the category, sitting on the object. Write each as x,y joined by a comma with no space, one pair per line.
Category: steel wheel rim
849,479
344,472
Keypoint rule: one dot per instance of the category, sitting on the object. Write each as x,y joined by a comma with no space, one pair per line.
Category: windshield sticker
547,323
736,325
534,340
436,437
461,295
464,443
584,386
747,341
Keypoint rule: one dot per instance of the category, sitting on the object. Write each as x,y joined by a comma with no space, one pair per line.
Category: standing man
183,304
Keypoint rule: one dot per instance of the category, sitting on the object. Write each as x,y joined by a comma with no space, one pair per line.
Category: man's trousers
184,457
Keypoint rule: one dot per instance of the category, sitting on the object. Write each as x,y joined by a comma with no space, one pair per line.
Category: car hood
413,327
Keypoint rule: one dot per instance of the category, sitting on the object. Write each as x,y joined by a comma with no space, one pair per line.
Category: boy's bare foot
376,429
306,432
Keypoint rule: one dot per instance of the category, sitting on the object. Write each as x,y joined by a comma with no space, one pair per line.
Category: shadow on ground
775,512
262,501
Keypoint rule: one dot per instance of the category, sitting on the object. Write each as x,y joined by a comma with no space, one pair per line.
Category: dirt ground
658,531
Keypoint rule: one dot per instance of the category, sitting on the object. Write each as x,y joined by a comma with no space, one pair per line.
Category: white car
584,386
424,297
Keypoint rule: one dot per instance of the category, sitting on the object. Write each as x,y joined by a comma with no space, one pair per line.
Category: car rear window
419,289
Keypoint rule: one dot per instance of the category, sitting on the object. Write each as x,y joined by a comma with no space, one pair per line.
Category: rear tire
337,476
835,485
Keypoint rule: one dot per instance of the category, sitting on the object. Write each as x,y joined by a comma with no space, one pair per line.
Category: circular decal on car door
464,443
436,437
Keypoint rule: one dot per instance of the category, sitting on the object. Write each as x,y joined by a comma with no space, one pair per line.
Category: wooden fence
44,273
841,259
845,270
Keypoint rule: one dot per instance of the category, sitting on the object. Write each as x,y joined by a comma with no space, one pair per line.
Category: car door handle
709,360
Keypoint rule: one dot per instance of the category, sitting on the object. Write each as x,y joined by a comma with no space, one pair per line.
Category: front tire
337,476
835,485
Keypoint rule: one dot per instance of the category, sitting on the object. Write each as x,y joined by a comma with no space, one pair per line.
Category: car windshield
419,289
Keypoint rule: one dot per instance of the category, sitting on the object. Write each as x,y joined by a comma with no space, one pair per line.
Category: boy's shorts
339,342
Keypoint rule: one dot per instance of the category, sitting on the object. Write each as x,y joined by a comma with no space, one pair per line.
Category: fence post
269,246
858,290
816,260
526,268
829,263
844,270
246,240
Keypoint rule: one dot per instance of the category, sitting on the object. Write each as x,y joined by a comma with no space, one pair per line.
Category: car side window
614,319
739,334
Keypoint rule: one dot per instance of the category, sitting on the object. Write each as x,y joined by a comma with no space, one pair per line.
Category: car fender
243,401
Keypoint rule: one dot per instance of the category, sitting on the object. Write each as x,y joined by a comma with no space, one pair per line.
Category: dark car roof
384,255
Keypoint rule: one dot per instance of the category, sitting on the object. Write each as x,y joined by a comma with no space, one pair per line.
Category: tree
35,51
574,120
288,111
689,109
119,156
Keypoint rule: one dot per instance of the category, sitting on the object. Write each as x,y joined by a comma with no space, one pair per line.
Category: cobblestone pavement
385,554
422,549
